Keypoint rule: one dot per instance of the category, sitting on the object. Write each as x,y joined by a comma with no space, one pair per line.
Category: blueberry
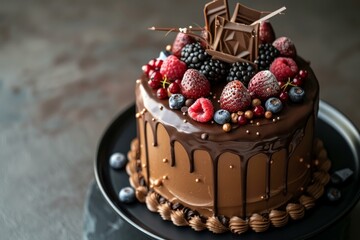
296,94
163,55
222,116
176,101
117,160
333,194
127,195
273,105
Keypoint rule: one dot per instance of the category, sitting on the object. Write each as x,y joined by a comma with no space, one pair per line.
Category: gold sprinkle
302,189
231,166
153,119
240,113
251,121
143,111
165,177
268,115
185,121
157,182
184,113
161,107
278,118
271,162
258,124
301,159
248,131
165,160
138,115
214,97
257,133
168,48
227,127
197,180
308,166
317,162
144,165
274,120
138,81
153,144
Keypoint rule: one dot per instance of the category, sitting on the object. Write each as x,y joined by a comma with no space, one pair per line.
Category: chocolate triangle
246,15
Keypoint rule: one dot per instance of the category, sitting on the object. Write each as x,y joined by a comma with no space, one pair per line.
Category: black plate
340,137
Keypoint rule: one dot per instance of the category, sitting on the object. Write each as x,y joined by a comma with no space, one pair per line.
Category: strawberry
264,85
194,84
285,46
284,68
235,97
266,32
172,68
180,41
202,110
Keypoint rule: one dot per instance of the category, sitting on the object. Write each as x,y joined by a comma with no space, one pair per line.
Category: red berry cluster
298,81
156,81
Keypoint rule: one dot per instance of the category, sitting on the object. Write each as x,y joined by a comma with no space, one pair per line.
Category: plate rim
326,113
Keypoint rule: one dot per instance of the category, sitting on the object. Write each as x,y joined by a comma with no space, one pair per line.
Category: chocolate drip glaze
272,138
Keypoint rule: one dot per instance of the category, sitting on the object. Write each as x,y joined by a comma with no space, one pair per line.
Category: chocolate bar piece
211,11
246,15
237,40
341,176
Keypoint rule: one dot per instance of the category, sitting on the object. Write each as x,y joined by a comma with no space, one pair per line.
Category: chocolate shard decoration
237,40
211,11
246,15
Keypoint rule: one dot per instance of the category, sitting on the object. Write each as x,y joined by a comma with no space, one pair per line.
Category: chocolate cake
225,124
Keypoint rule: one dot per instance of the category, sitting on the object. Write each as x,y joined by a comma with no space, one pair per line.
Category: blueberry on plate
273,105
296,94
222,116
127,195
117,161
176,101
333,194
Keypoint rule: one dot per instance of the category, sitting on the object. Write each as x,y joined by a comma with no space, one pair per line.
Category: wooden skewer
175,29
280,10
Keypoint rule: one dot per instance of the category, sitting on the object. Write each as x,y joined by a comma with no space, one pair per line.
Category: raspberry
194,84
235,97
285,46
264,85
284,68
180,41
201,110
173,68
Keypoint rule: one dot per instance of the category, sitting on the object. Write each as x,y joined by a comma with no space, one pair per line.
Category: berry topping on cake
242,71
266,32
202,110
181,40
174,87
222,116
214,70
264,85
267,54
273,105
194,55
285,46
176,101
194,84
161,93
296,94
172,68
284,68
155,80
259,111
235,97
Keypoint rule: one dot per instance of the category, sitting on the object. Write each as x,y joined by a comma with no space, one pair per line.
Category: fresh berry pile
185,75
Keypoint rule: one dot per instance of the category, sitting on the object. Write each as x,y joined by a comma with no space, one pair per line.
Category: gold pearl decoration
165,160
197,180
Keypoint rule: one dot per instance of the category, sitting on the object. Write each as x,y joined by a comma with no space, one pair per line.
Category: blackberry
194,55
214,70
267,54
242,71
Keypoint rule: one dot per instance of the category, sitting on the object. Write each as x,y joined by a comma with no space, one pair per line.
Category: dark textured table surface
67,68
